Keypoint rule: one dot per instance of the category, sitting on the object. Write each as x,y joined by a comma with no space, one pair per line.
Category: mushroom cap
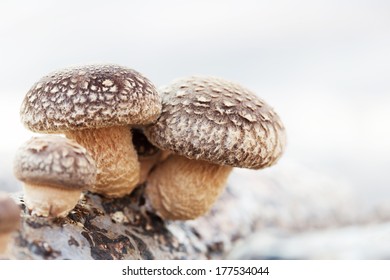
94,96
9,214
206,118
56,162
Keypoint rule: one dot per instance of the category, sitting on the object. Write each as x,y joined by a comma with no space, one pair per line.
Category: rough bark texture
101,228
254,202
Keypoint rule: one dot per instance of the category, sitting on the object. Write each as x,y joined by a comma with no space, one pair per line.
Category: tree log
125,228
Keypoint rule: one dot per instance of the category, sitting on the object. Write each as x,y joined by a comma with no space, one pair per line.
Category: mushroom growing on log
94,106
55,171
210,125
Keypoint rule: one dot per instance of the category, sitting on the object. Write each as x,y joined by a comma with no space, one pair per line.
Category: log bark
125,228
100,228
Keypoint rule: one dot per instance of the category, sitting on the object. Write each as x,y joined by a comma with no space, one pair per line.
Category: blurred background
323,65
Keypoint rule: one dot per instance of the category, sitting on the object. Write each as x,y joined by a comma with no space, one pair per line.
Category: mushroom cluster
95,105
120,131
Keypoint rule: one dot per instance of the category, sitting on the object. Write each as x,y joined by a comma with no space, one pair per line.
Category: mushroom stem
146,165
115,156
183,189
48,201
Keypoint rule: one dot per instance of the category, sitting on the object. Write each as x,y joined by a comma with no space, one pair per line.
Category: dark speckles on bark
43,249
215,249
73,242
113,205
141,246
105,248
36,224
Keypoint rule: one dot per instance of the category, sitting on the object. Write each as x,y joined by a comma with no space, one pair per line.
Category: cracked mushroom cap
94,96
55,161
9,214
206,118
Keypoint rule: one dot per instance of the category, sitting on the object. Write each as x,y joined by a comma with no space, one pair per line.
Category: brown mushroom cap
94,96
206,118
56,162
9,214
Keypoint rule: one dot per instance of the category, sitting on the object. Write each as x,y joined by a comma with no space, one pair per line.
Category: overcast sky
323,65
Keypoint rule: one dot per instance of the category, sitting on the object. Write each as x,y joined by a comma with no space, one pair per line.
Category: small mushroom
148,154
94,106
210,125
55,171
9,221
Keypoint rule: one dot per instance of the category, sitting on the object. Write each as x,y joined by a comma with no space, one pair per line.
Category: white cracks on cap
95,98
210,125
55,171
